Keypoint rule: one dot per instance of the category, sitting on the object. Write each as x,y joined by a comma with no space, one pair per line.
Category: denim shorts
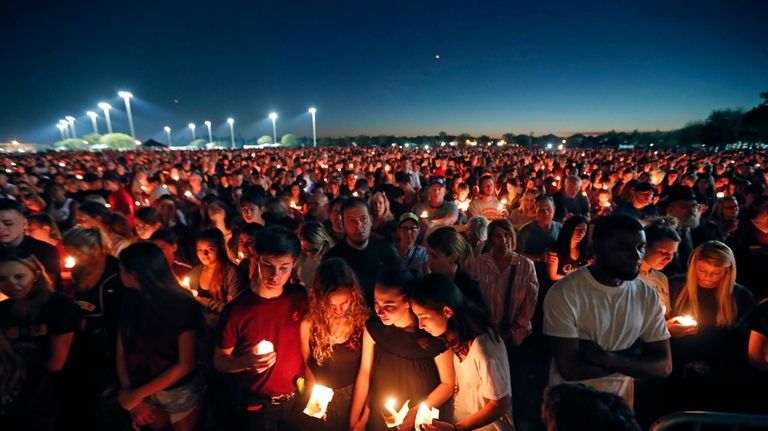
179,402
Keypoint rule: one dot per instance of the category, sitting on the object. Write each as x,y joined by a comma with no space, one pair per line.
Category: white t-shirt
483,375
613,317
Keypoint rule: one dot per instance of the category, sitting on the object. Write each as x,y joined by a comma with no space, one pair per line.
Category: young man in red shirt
258,336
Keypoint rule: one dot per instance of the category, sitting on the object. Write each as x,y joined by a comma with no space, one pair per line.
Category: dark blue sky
370,67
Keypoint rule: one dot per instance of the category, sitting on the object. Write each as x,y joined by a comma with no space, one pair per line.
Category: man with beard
365,255
606,325
681,204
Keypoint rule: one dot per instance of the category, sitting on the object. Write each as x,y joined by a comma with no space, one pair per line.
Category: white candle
686,320
264,347
424,214
318,401
397,417
69,262
425,415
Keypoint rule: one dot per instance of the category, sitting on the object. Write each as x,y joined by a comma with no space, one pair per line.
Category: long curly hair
334,275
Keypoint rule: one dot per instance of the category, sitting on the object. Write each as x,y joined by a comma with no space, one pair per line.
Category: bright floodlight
273,116
312,110
70,119
207,123
192,126
125,94
231,121
167,129
105,106
92,114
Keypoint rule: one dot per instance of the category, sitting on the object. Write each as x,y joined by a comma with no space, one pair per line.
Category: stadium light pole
95,124
210,136
126,95
168,134
231,122
71,120
273,117
313,111
64,125
61,128
106,107
192,128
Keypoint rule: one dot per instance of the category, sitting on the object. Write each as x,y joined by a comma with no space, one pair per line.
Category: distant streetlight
93,116
61,128
168,134
273,117
127,98
192,128
313,111
71,120
210,136
65,126
106,107
231,122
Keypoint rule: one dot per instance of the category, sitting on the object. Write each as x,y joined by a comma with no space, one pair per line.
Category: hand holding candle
680,326
425,415
396,417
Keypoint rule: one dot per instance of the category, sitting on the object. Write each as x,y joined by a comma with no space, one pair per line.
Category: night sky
371,67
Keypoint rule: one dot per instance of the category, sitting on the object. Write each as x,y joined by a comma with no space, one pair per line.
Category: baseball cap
437,180
408,216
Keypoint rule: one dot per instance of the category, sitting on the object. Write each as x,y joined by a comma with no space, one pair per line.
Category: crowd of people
503,288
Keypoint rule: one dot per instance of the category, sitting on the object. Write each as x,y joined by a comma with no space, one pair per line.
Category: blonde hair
85,238
41,289
387,216
314,233
334,275
718,254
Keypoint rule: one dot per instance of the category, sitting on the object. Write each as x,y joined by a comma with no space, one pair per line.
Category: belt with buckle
282,398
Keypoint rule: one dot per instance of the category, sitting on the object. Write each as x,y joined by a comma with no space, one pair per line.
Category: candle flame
264,347
424,214
318,401
686,320
69,262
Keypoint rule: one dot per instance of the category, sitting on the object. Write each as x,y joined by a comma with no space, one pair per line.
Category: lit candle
138,204
264,347
107,206
188,194
396,417
425,415
294,206
424,214
606,204
464,205
318,401
352,165
185,282
175,177
686,320
720,195
69,262
79,177
354,194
